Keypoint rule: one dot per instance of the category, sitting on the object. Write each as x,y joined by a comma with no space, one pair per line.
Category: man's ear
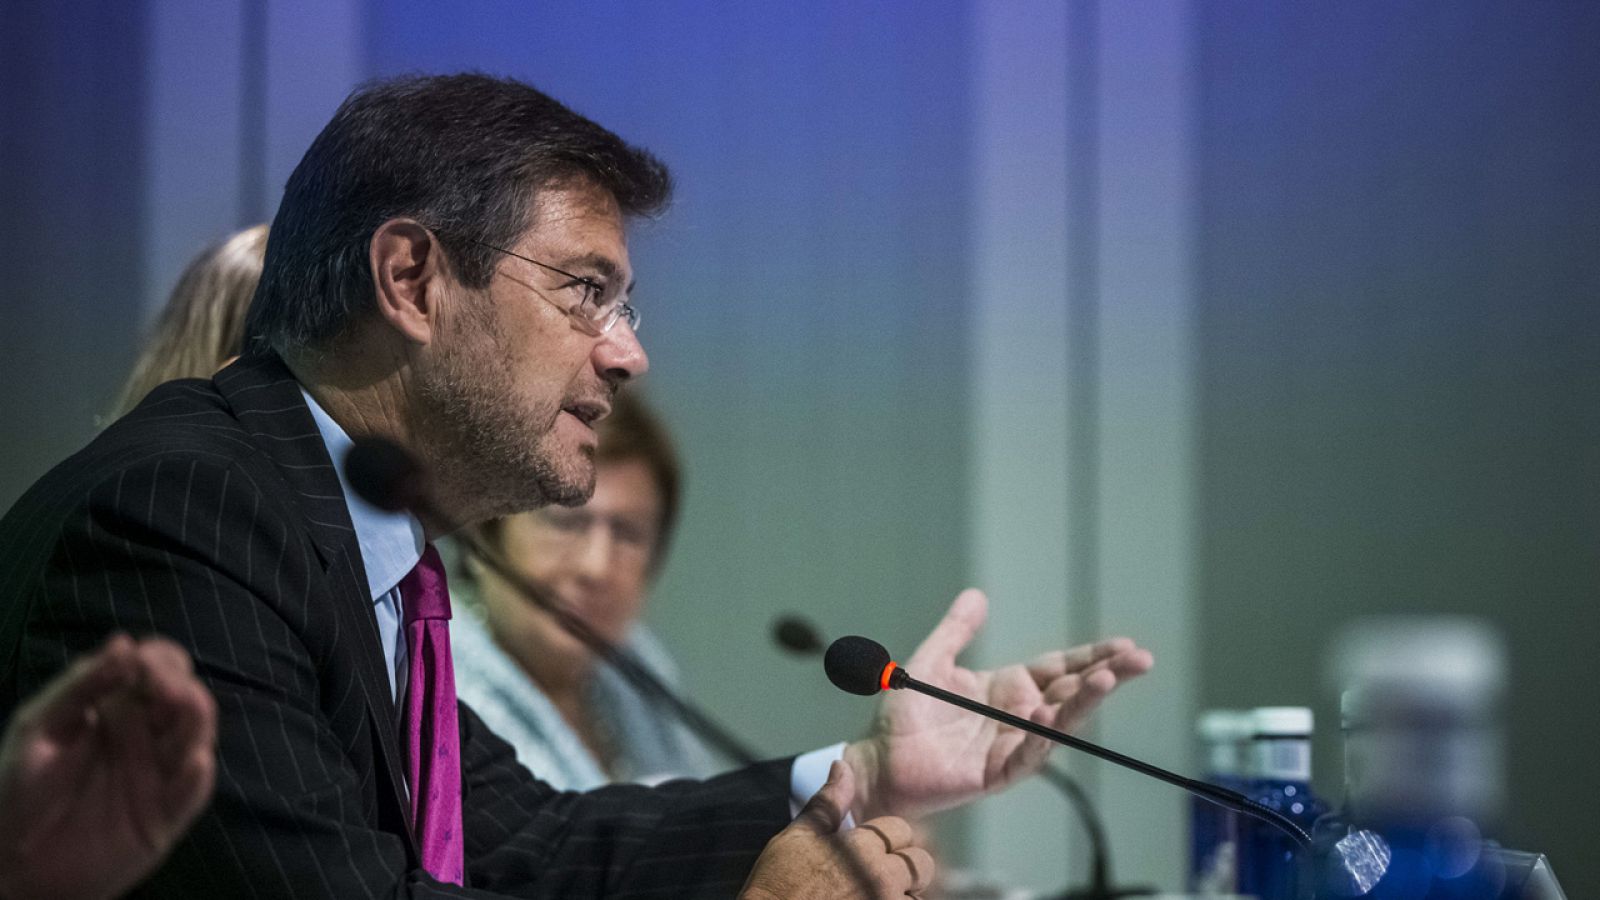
408,270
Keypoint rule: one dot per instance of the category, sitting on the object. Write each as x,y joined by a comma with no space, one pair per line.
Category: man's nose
619,356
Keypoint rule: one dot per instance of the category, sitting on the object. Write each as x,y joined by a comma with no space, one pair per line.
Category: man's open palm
925,755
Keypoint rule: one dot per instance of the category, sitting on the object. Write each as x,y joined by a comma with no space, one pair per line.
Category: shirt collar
391,542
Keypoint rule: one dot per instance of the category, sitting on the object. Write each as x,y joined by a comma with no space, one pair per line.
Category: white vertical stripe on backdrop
1138,204
1020,370
1146,348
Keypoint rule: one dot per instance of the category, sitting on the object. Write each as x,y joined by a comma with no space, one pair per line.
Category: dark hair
463,154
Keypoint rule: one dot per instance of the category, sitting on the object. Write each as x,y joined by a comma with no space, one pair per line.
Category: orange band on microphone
887,671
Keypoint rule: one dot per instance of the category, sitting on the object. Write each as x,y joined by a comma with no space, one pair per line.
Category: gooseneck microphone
860,665
386,476
383,474
1100,883
797,635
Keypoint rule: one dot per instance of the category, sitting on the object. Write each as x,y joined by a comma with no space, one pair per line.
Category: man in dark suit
448,270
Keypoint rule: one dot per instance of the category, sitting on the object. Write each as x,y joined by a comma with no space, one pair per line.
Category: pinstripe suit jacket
212,514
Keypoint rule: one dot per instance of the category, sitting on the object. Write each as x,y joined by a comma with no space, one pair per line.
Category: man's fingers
1058,691
1071,698
892,832
1108,673
129,758
190,724
1031,752
62,708
920,867
180,712
162,735
1056,663
886,845
189,788
1131,664
166,676
953,633
160,655
826,809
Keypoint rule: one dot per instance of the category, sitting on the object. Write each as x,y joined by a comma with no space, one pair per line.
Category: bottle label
1282,759
1222,759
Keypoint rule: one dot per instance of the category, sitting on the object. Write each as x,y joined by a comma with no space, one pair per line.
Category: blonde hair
202,325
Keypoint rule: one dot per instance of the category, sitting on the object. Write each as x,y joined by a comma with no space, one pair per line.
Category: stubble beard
491,455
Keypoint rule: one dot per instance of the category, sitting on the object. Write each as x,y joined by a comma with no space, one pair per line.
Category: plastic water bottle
1280,769
1347,862
1423,761
1213,830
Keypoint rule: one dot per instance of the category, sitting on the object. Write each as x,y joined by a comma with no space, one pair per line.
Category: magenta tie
433,744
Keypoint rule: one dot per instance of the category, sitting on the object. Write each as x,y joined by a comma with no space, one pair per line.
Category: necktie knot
424,590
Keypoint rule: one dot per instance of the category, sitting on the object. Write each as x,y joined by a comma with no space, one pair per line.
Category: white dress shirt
391,545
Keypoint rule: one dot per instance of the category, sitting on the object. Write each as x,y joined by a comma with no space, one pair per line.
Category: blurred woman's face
595,559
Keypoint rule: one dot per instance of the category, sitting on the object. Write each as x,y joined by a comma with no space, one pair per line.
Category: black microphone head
383,474
855,664
796,635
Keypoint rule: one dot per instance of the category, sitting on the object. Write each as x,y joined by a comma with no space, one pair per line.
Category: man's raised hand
103,771
924,755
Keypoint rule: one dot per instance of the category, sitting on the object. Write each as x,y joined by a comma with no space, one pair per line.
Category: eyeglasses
593,314
570,527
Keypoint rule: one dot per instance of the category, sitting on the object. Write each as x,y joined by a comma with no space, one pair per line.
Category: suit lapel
266,400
